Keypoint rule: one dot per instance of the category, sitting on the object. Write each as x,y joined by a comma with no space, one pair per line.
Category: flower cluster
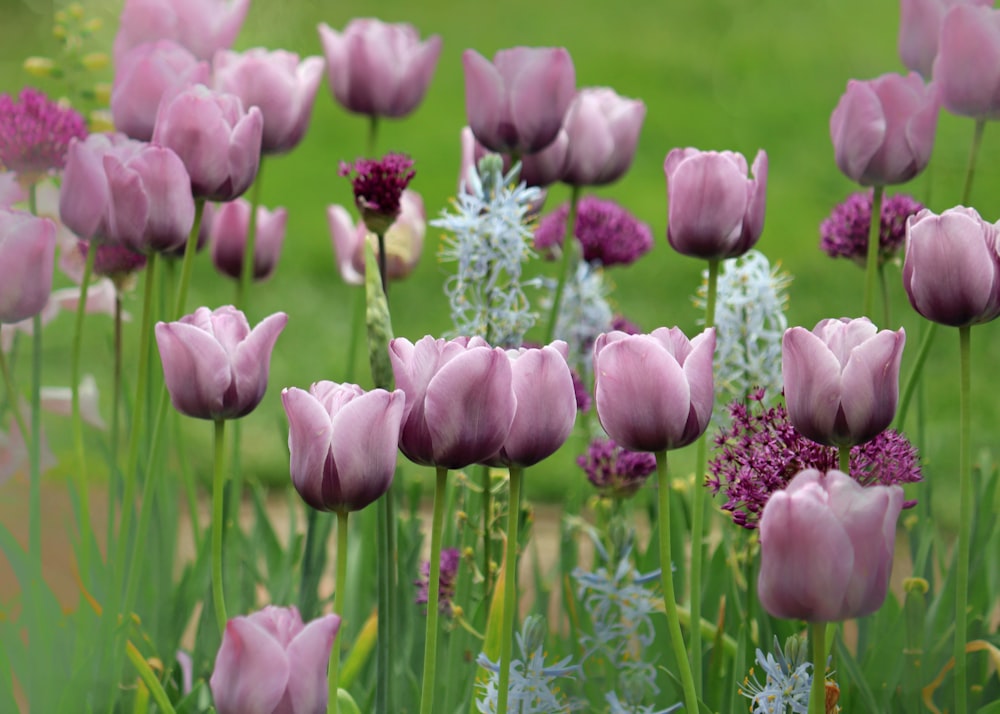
608,233
584,313
450,559
35,133
378,188
616,471
787,679
844,233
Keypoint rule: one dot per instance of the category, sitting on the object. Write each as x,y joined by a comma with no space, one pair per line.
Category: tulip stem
372,133
844,457
218,523
434,584
509,588
189,250
74,381
817,692
114,475
871,263
965,517
970,170
487,513
667,581
250,246
568,264
886,306
339,583
930,330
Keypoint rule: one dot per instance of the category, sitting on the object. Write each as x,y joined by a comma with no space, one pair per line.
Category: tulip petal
345,236
195,368
252,362
812,377
707,204
857,128
251,670
870,385
484,100
308,659
546,406
310,433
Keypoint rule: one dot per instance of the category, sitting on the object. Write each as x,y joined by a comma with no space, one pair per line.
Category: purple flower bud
35,133
228,234
608,233
883,129
215,367
614,471
654,391
451,558
967,68
715,211
343,443
378,188
920,28
826,547
27,255
270,663
377,68
841,379
202,26
603,130
844,234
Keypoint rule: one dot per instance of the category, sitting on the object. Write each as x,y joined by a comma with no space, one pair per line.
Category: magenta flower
715,211
214,365
844,234
451,558
378,188
228,234
460,401
202,26
113,260
655,391
616,472
826,547
920,29
967,67
27,255
607,232
603,131
35,134
271,663
343,443
377,68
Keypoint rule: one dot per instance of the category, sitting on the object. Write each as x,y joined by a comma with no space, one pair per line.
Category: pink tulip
715,211
343,443
603,130
654,391
919,29
27,257
377,68
841,379
215,367
202,26
228,234
967,67
271,663
826,547
883,129
460,400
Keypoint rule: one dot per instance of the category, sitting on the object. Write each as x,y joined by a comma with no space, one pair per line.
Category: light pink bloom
202,26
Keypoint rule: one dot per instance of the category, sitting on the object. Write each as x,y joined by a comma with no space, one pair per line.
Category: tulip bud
967,67
603,130
228,234
919,29
27,254
202,26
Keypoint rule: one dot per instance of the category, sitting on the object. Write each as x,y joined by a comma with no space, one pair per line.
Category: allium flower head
614,470
35,133
608,233
761,452
844,233
450,560
378,188
114,260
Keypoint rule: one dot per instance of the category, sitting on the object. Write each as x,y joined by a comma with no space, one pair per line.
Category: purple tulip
603,130
883,129
27,255
278,84
967,67
202,26
920,28
377,68
151,73
841,379
343,443
715,211
460,401
826,547
216,139
952,267
546,405
517,102
654,391
215,367
228,234
271,663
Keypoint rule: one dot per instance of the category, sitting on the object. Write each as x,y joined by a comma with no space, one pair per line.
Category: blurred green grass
716,74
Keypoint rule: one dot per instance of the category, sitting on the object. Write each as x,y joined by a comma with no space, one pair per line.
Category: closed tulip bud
919,29
967,67
379,69
216,139
715,210
228,235
603,130
278,84
202,26
841,379
826,547
654,391
517,102
460,400
27,255
343,443
952,267
271,663
883,129
215,367
149,73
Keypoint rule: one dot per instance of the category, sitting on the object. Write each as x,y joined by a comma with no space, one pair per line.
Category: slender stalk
871,264
35,494
218,523
884,289
913,377
487,513
339,583
509,588
817,693
35,448
250,247
148,678
434,584
970,171
667,581
372,134
78,446
384,688
844,457
114,475
188,261
568,263
964,517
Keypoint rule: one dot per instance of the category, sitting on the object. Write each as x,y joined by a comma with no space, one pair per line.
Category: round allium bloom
114,260
844,233
583,398
608,233
614,470
761,452
378,188
450,559
35,133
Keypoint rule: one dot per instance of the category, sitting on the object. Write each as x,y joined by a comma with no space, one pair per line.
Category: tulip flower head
920,24
214,365
35,134
826,547
27,255
378,188
271,663
715,211
967,66
608,233
228,234
602,130
844,234
202,26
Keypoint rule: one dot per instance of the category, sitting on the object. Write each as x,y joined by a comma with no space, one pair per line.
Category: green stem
568,263
886,307
964,517
74,381
970,170
148,678
188,262
487,513
430,642
114,475
372,134
35,494
817,693
509,588
913,378
667,581
250,247
844,457
339,584
218,523
871,264
34,440
384,641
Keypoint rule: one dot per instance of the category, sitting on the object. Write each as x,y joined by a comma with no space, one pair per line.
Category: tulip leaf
848,665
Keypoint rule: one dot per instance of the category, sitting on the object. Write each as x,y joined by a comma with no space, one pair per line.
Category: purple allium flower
614,470
114,260
35,133
761,452
844,234
623,324
378,188
450,558
583,399
609,234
